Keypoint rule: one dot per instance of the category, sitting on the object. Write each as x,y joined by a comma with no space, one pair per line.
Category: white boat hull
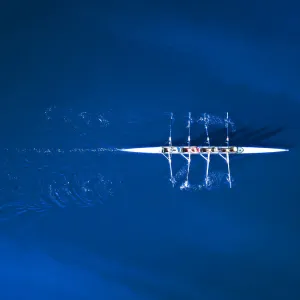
203,150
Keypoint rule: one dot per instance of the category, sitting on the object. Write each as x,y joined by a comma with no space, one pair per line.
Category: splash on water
181,173
216,180
209,119
191,187
72,118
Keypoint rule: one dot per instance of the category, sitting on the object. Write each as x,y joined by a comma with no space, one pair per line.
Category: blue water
79,221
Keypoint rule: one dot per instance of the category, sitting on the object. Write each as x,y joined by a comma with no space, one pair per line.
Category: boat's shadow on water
267,136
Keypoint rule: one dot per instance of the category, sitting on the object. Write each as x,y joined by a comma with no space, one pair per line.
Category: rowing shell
203,150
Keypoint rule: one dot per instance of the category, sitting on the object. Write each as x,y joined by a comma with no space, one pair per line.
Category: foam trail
60,191
61,151
38,180
93,150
